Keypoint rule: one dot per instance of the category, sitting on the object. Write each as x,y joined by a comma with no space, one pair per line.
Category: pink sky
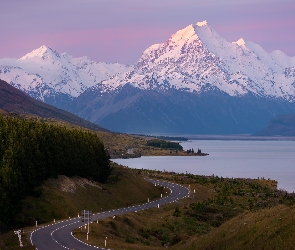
120,30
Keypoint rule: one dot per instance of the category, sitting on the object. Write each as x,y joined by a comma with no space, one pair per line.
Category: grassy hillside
119,146
272,228
65,197
220,214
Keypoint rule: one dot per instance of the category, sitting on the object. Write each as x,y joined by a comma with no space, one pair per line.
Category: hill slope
15,101
283,125
271,228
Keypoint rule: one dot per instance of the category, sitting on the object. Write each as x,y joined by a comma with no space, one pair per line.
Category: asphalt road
59,235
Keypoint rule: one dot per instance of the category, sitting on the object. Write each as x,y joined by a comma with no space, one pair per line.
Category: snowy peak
200,24
201,31
210,38
183,35
45,53
240,42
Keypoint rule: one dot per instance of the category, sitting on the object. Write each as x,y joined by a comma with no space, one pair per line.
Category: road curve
59,235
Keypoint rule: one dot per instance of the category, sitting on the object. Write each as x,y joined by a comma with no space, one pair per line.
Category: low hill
15,101
271,228
283,125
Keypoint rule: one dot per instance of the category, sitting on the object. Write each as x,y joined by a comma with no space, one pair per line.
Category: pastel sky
120,30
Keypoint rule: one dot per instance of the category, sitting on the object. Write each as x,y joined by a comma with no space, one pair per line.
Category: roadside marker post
18,232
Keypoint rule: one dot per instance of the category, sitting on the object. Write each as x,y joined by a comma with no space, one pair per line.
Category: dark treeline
164,144
168,138
32,151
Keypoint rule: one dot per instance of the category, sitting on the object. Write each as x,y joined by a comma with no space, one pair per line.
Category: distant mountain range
15,101
196,82
55,78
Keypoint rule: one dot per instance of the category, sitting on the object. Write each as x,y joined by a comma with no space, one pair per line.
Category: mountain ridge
55,78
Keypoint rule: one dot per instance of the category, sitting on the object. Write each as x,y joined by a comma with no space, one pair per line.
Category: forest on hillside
32,151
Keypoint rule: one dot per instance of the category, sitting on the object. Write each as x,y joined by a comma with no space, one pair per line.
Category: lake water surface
272,159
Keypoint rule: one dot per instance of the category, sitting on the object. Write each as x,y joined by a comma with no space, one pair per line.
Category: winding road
59,235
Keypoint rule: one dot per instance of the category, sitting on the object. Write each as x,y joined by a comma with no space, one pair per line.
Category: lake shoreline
230,158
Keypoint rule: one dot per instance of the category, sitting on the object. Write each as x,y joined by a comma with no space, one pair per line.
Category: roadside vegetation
64,197
218,212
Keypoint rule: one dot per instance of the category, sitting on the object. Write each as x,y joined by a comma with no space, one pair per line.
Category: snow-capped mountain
197,59
195,82
45,74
